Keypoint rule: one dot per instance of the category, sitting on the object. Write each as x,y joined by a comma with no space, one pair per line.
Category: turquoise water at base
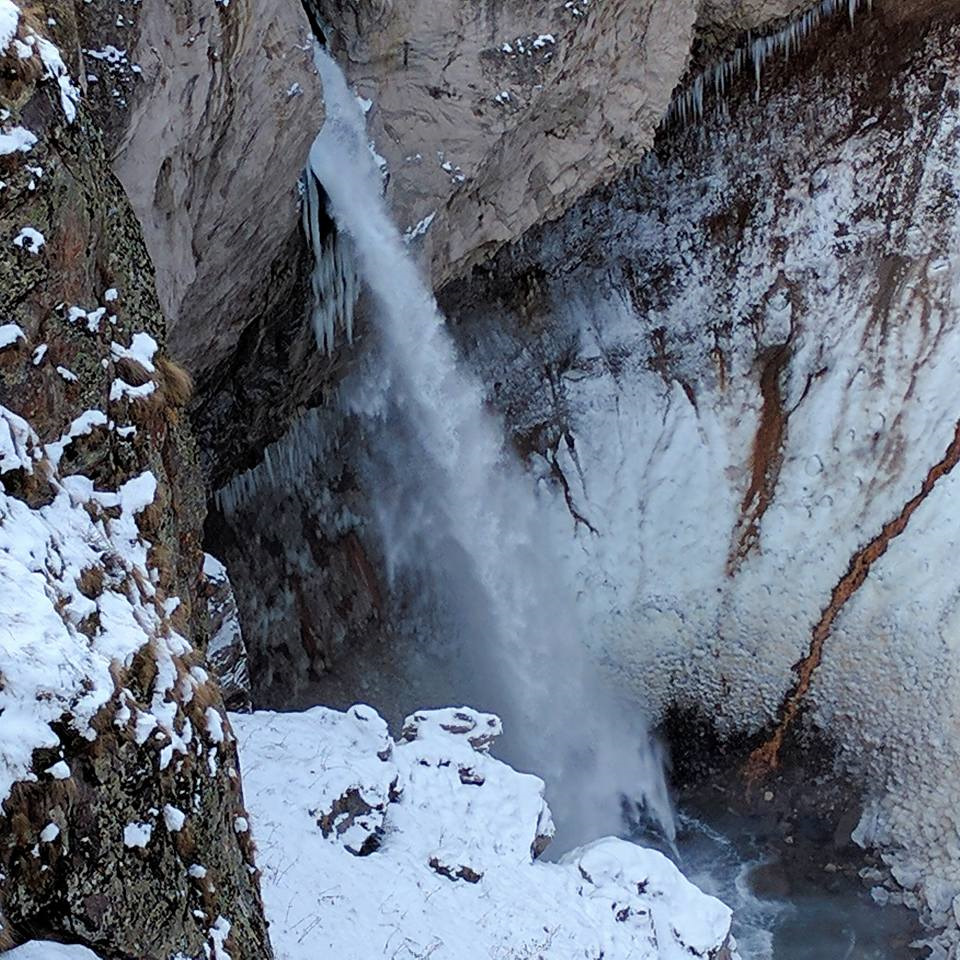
835,920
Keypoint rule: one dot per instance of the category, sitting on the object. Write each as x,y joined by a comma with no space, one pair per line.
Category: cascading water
455,507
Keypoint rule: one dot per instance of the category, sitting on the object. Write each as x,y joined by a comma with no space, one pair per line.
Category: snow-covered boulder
454,872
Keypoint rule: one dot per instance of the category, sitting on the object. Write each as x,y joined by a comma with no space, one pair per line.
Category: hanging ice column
756,53
334,283
470,508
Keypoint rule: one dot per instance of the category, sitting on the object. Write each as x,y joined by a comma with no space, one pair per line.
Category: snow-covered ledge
427,847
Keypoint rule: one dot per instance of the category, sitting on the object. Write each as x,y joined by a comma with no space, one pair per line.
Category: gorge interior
459,520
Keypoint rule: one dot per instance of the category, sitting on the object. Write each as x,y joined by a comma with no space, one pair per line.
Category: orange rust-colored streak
766,458
364,570
767,757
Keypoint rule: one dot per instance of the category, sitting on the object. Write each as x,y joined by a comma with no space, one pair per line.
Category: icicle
334,283
756,50
287,464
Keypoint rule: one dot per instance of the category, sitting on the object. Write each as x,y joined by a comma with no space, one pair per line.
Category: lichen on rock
109,716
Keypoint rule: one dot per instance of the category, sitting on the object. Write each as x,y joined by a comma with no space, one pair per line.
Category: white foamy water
456,509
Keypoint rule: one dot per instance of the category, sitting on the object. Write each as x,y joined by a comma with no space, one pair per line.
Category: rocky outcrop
226,651
118,774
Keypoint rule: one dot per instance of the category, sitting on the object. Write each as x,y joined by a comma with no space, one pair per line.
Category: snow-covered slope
75,595
425,847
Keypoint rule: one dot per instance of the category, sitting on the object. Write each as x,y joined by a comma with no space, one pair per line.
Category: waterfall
455,506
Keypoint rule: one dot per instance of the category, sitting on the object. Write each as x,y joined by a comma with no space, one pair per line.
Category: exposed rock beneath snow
453,854
226,651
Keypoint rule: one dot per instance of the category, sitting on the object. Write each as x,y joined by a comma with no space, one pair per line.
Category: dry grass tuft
175,383
90,582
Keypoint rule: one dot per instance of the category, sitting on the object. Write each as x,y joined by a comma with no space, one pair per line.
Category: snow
48,949
29,239
52,670
56,69
10,333
82,426
9,21
90,318
220,930
214,723
143,348
16,140
420,229
447,834
137,834
16,438
120,389
49,833
213,569
173,818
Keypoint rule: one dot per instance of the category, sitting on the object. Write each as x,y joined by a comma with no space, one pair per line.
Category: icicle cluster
687,106
285,462
335,285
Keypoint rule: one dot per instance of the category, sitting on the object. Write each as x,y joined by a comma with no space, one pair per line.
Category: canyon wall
489,118
732,369
739,365
118,773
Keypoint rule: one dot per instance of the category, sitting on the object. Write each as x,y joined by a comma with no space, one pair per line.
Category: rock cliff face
490,118
737,364
208,110
117,767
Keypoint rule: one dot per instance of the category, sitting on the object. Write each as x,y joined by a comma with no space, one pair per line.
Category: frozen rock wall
739,366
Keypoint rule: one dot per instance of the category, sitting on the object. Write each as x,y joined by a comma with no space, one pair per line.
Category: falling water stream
453,503
463,528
